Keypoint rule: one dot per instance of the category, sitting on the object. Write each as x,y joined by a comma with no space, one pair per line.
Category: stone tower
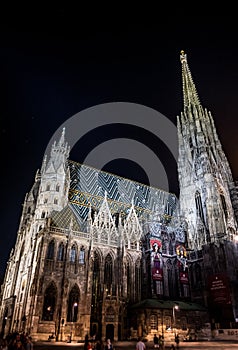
208,201
207,191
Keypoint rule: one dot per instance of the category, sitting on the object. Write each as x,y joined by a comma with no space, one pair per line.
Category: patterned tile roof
88,187
65,219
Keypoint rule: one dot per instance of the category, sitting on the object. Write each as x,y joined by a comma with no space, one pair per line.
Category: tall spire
62,138
204,173
190,96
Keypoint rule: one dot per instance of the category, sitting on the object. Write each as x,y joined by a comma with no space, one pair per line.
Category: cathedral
100,255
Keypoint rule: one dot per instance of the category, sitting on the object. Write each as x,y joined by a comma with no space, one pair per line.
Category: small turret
55,179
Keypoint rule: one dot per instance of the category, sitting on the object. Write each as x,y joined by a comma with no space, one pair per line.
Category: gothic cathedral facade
101,255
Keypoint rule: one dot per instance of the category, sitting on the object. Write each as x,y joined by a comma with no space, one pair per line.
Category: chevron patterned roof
88,187
64,218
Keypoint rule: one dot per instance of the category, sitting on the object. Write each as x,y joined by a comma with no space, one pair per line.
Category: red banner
157,274
183,277
219,289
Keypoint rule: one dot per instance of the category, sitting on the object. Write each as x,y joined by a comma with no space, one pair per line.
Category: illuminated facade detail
99,254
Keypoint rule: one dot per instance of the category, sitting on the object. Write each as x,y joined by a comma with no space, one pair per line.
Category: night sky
51,72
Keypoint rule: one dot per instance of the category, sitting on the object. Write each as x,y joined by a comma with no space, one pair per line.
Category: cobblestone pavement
125,345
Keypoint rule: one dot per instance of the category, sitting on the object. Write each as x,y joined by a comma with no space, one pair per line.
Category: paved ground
206,345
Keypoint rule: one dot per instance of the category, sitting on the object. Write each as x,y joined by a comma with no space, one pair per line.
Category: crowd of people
159,342
17,341
97,344
23,341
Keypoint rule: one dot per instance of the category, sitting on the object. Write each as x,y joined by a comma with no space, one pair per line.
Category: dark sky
51,70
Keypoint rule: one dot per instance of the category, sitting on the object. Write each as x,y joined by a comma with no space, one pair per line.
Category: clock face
155,228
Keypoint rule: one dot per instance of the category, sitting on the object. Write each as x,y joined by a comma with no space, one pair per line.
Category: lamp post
162,323
73,313
62,327
73,310
175,307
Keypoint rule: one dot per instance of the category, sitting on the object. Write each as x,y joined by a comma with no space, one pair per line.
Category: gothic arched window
82,255
224,207
57,188
171,248
51,250
183,321
48,188
198,276
153,322
108,272
72,257
49,302
168,322
60,255
191,146
199,208
128,277
138,279
96,290
43,215
110,314
73,304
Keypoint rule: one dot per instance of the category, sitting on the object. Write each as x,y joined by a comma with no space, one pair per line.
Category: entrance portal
110,332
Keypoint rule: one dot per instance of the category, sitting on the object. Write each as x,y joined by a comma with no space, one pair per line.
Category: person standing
17,343
29,344
156,341
108,345
4,345
85,347
161,342
99,345
140,344
177,341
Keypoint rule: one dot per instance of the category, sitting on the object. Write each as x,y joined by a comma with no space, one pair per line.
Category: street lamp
175,307
73,314
73,311
162,324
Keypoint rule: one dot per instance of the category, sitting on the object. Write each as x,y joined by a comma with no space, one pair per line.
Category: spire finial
183,56
61,141
190,95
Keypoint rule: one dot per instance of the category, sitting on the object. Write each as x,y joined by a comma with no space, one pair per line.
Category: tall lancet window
96,286
49,302
60,255
51,250
191,146
108,273
72,257
138,279
199,208
73,304
82,255
224,207
154,322
129,281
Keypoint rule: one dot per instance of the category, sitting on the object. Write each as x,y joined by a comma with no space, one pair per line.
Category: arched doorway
119,332
50,296
110,332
